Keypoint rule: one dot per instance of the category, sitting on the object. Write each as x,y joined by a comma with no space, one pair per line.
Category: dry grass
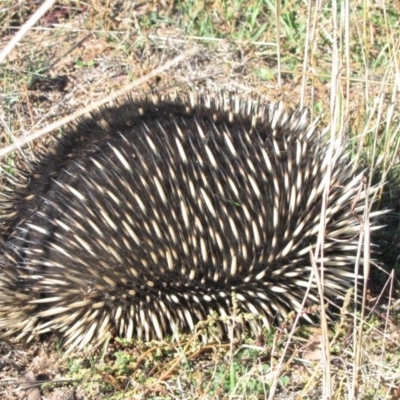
341,60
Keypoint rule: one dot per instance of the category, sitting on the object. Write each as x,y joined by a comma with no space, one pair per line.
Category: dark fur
150,296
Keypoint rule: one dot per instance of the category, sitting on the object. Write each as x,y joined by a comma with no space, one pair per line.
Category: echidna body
146,217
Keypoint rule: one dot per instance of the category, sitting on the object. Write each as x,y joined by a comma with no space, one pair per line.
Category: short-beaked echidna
146,217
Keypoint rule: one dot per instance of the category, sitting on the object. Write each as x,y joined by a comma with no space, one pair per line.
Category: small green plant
80,63
74,366
124,363
264,74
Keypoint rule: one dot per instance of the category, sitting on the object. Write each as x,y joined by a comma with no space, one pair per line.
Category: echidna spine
146,217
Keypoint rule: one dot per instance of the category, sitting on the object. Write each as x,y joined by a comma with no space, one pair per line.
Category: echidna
146,217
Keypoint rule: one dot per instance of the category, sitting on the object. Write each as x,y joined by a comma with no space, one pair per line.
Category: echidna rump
146,217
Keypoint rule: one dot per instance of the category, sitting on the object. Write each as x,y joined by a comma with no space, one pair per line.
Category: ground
340,60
